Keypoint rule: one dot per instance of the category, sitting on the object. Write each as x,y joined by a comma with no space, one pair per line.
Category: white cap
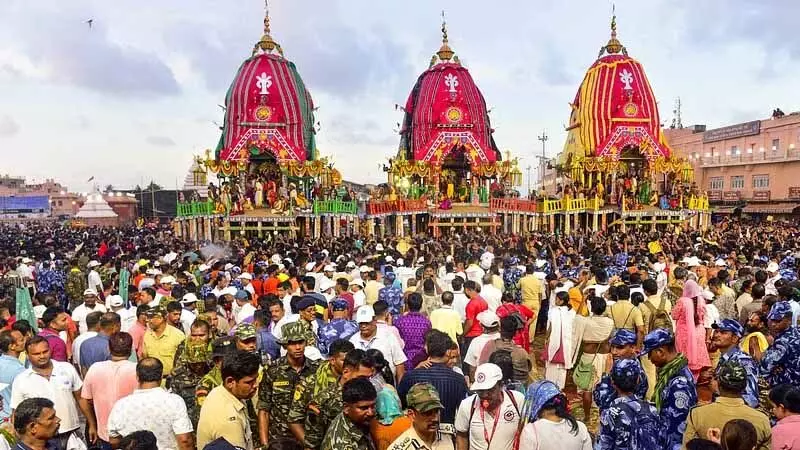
400,262
363,269
379,248
389,259
488,319
365,314
245,276
203,267
773,266
486,377
152,272
115,301
329,268
357,282
720,263
448,259
351,265
310,266
325,283
708,295
91,264
276,258
188,298
89,291
420,260
693,261
169,279
230,290
26,260
146,283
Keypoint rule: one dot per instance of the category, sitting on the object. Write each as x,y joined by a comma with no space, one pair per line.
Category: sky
134,96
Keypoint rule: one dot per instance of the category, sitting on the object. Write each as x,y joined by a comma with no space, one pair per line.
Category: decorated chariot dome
614,115
446,115
268,110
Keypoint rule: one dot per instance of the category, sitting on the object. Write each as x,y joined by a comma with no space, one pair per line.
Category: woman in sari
559,350
690,335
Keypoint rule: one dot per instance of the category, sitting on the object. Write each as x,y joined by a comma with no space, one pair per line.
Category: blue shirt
630,424
781,361
95,349
393,297
750,394
266,344
449,384
336,329
604,393
10,367
678,398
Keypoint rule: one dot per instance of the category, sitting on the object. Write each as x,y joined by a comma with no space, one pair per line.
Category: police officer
732,378
194,364
781,361
245,337
425,409
675,392
350,429
629,422
623,346
340,326
727,335
275,393
219,348
308,319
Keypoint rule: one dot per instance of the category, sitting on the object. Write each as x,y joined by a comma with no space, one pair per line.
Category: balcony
757,157
335,207
194,209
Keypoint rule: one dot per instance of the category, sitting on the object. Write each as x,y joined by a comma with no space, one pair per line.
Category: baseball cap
329,268
729,325
241,294
779,311
389,259
339,305
325,284
488,319
245,276
306,302
626,371
115,301
291,332
157,311
486,377
92,263
732,376
357,282
379,248
363,269
773,266
245,331
623,336
655,339
169,279
423,397
188,298
221,347
89,291
365,314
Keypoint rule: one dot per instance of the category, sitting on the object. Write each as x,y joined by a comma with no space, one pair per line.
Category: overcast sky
134,97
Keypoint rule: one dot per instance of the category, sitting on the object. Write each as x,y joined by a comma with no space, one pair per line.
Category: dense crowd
134,339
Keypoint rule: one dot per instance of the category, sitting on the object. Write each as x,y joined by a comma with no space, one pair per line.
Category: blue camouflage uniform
677,398
781,361
604,393
335,329
511,276
629,423
392,295
750,394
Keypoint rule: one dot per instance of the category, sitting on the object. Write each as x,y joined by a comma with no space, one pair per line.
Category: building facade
753,164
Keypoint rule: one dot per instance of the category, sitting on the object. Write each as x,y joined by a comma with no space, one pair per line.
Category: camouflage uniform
184,380
308,333
276,390
343,434
76,284
316,410
219,348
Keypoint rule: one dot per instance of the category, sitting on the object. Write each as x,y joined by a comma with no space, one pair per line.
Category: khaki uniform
723,410
410,440
224,415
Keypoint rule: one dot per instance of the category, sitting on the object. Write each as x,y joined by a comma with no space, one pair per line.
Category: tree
153,186
137,188
109,188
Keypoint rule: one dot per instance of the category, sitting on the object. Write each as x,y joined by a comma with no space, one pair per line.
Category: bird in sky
90,22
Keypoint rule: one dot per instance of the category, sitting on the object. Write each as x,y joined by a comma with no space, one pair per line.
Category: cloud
66,53
8,126
347,130
160,141
552,68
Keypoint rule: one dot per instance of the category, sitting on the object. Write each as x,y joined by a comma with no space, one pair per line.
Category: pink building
755,164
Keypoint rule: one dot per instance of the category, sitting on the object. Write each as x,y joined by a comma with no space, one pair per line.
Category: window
776,146
760,181
734,150
716,183
60,203
737,182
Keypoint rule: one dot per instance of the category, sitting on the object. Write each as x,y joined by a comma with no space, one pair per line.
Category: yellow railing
594,203
698,203
551,206
576,204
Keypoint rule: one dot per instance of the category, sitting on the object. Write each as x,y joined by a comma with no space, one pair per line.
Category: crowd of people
134,339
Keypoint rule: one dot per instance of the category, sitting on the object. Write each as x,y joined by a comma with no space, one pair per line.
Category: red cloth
271,285
103,250
522,338
475,306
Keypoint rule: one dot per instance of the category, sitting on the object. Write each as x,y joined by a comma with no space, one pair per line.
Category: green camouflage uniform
184,381
323,408
343,434
76,284
276,390
209,381
306,403
308,333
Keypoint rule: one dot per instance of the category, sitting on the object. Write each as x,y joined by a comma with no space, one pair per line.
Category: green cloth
124,278
25,308
665,374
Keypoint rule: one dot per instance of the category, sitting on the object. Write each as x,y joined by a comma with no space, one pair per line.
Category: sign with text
761,196
794,192
734,131
731,196
714,196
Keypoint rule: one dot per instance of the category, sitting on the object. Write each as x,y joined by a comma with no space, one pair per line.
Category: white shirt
60,388
507,422
475,273
386,343
244,312
287,303
94,281
127,318
154,410
545,435
76,345
460,301
81,311
187,319
712,315
492,295
487,258
476,347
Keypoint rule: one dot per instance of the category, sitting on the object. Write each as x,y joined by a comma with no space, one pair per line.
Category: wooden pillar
382,226
398,223
551,225
226,229
594,222
567,223
260,229
317,226
604,221
413,219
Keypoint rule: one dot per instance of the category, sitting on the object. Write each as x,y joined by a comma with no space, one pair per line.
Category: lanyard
488,437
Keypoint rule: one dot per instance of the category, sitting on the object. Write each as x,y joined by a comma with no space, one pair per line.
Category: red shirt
475,306
522,336
271,285
258,286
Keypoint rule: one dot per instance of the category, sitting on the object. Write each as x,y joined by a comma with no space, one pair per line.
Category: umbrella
191,255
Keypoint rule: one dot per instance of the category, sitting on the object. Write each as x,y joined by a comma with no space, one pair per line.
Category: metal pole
529,179
543,139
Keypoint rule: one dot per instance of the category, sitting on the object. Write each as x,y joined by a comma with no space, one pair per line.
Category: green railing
192,209
334,207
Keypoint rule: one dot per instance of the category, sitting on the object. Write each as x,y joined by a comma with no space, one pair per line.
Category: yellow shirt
371,291
224,416
625,315
447,320
163,347
531,288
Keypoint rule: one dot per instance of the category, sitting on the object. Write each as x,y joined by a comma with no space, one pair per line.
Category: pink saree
690,337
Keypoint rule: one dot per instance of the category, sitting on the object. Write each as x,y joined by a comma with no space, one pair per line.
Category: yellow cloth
163,347
762,342
723,410
282,277
447,321
371,291
625,315
576,301
531,288
224,415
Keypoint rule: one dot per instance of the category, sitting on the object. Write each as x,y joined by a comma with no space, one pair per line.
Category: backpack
659,318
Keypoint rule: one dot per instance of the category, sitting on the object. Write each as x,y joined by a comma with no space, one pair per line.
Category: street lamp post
528,169
543,139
